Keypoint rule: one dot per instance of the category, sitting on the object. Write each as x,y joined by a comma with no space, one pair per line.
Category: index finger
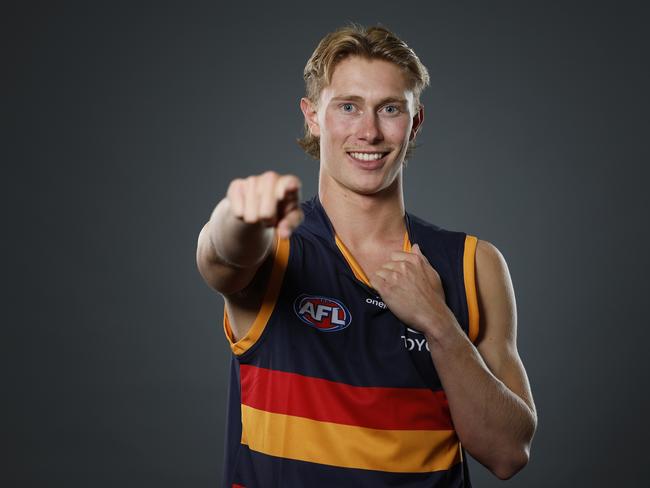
403,256
286,184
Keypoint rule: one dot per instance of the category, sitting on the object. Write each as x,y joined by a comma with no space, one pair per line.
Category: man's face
365,119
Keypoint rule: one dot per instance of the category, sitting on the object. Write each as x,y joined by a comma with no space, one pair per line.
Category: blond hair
375,42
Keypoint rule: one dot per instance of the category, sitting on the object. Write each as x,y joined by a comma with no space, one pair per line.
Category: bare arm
238,238
487,387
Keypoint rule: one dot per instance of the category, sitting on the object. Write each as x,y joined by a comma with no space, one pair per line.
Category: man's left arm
486,386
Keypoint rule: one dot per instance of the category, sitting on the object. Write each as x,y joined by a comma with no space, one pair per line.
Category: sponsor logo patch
376,302
322,313
415,342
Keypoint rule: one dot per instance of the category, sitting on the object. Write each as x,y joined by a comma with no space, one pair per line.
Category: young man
369,347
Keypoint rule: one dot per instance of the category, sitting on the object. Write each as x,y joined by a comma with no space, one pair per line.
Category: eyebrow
357,98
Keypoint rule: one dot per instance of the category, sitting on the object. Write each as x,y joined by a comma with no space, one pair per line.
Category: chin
369,188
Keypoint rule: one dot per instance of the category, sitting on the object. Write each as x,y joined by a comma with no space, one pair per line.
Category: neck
359,218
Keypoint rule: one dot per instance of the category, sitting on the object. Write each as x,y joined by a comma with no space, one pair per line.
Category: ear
311,116
418,118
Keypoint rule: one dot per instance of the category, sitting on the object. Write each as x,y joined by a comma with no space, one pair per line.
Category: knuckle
281,181
235,185
269,175
250,182
289,179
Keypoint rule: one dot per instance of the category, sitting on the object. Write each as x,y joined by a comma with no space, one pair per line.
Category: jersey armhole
280,260
469,277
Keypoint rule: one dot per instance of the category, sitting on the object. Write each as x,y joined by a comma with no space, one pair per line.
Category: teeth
366,156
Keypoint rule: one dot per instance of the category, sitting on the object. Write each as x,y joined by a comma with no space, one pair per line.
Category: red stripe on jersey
329,401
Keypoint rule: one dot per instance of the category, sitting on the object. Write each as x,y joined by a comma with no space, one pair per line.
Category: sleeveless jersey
329,388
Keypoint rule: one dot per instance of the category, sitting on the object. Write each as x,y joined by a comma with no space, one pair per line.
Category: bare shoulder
496,297
492,271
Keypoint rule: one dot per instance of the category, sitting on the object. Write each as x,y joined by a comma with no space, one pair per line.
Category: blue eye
347,107
392,109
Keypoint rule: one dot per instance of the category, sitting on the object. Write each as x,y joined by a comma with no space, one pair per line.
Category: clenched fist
270,199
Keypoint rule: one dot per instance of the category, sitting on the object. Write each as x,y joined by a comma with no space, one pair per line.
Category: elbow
509,466
515,457
503,460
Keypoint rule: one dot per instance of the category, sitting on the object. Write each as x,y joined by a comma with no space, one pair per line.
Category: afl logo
322,313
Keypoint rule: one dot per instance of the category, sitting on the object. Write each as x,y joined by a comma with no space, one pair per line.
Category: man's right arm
239,237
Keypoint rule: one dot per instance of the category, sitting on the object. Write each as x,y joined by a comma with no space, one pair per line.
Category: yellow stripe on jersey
347,446
470,285
356,269
280,261
406,247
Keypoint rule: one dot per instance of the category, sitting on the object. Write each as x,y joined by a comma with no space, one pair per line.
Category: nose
369,129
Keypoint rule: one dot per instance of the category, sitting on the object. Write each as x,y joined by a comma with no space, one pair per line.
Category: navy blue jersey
329,388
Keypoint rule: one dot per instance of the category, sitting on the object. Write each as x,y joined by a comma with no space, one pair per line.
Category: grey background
123,125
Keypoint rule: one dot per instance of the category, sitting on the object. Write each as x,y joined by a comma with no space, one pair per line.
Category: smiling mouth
367,156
